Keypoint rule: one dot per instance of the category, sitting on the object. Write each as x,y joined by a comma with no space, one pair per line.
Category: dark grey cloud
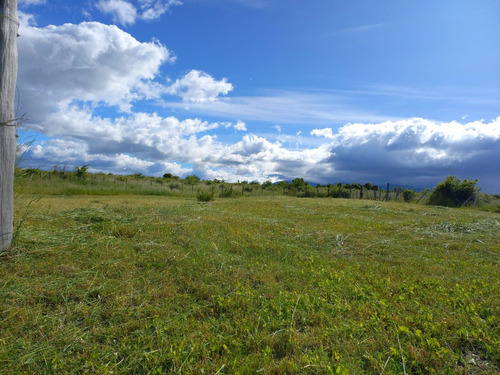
416,151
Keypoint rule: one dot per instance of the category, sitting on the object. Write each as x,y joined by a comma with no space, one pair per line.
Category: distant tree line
451,192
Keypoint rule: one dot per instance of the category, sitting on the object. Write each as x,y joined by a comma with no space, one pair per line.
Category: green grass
136,284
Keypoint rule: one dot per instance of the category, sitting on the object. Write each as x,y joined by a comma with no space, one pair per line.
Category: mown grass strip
144,284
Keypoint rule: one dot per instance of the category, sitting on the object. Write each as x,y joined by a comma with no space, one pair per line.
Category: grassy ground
272,285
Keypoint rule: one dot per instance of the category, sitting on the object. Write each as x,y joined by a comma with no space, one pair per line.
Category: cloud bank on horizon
97,94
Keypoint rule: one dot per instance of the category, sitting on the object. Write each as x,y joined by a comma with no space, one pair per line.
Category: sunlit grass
145,284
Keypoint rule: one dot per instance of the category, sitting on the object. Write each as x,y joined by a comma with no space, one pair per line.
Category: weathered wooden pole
8,76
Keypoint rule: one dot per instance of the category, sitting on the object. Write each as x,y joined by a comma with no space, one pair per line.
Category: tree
267,184
328,187
408,195
170,176
285,185
453,193
192,180
8,77
81,172
299,184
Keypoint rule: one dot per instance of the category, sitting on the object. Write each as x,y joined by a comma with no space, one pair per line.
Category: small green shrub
453,193
205,196
408,195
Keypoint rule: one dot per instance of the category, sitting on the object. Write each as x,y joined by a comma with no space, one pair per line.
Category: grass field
135,284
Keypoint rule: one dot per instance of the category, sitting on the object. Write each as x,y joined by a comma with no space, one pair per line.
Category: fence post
8,77
387,193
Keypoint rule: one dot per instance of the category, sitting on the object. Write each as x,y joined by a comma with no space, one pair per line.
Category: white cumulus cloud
241,126
88,62
126,12
122,11
326,132
199,87
153,9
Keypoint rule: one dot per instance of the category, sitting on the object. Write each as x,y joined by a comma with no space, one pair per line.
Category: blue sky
389,91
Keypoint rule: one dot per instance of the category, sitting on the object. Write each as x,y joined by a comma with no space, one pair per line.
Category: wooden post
387,193
421,196
8,76
361,193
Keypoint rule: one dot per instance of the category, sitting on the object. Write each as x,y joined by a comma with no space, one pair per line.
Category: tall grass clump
228,192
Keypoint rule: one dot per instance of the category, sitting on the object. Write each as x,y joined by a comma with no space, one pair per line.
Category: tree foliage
192,179
408,195
81,172
267,184
170,176
453,193
299,184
